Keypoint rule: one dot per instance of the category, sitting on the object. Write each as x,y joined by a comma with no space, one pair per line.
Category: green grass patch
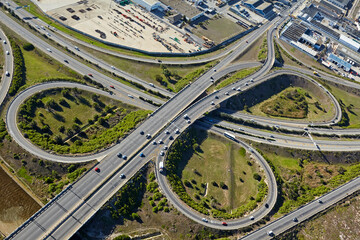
76,121
197,168
262,55
237,76
22,172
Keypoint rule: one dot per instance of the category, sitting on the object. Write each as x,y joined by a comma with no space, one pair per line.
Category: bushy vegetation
181,145
43,135
19,76
290,103
345,120
28,47
278,55
129,198
262,55
237,76
3,131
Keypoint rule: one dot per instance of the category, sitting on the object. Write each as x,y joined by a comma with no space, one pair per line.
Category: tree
62,129
257,177
58,139
158,78
122,237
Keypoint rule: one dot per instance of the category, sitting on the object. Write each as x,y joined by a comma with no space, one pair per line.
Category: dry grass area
252,52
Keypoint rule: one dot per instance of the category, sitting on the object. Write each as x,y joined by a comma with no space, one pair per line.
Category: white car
160,141
251,218
238,89
167,132
165,147
162,153
7,53
48,49
270,233
177,131
7,73
130,96
212,103
204,220
4,42
113,67
227,93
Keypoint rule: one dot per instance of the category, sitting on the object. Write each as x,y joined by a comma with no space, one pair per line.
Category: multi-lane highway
61,218
7,68
96,187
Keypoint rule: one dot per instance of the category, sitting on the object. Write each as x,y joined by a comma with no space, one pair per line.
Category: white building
147,4
349,42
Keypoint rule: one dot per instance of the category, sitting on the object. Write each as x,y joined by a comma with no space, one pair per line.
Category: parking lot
127,25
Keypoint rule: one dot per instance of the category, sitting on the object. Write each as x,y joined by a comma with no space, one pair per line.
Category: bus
230,136
161,166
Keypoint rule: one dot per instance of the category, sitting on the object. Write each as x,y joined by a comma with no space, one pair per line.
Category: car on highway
4,42
119,155
188,121
49,50
130,96
141,132
270,233
295,219
112,86
171,138
66,61
212,103
76,48
97,169
246,84
7,53
124,157
142,155
251,218
224,223
177,131
226,93
154,143
7,74
238,89
160,141
89,74
247,41
216,97
233,88
151,84
165,147
252,80
162,153
122,176
167,132
204,220
112,67
320,201
241,129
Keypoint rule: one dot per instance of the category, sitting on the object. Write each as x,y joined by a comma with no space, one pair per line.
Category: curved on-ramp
258,214
15,133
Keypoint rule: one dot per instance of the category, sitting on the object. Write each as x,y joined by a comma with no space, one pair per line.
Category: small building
175,18
349,43
305,48
293,31
149,5
339,62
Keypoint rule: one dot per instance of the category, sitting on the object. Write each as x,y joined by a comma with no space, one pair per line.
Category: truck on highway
161,166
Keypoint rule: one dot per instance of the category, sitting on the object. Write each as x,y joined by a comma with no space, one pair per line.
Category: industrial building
260,7
149,5
190,12
339,62
340,3
349,43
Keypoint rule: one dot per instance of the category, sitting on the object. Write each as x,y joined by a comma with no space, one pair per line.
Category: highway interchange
64,215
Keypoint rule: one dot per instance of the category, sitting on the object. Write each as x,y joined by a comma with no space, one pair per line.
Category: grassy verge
262,55
278,56
55,120
219,191
235,77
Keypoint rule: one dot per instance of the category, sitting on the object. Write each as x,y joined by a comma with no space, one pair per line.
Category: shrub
28,47
18,78
257,177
